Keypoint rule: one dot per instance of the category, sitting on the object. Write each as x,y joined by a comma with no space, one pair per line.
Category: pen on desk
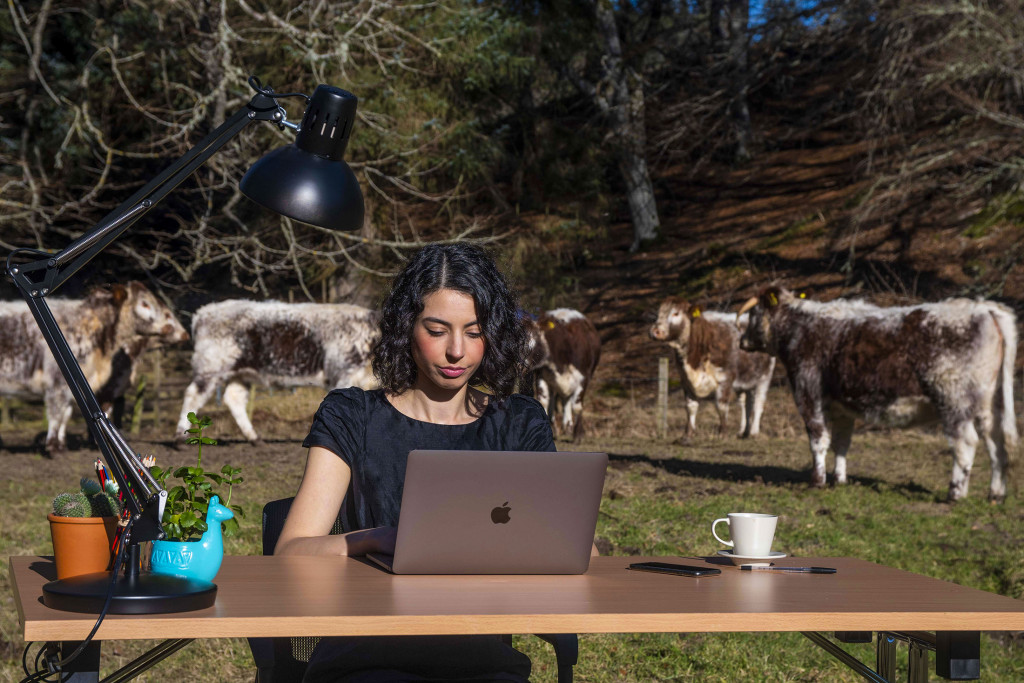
805,570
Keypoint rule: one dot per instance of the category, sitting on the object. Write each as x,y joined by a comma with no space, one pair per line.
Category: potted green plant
82,527
194,519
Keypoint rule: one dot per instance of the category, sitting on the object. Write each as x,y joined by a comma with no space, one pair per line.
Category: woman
449,326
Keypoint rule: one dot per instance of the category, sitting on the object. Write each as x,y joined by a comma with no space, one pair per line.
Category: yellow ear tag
803,295
551,325
772,299
696,313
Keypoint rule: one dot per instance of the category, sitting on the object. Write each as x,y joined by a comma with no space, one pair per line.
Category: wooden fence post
158,377
138,405
662,398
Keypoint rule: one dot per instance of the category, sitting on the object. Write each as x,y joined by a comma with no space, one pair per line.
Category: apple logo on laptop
499,515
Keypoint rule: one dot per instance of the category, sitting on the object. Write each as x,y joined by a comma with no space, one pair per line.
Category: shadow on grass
37,446
767,474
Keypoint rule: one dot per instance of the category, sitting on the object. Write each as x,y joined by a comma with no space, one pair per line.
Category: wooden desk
297,596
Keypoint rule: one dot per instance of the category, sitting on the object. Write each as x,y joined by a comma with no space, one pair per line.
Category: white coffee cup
751,532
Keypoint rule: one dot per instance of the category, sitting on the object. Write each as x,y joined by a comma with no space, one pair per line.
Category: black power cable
57,667
257,85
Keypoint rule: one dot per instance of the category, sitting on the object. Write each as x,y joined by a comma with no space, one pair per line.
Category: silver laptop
497,512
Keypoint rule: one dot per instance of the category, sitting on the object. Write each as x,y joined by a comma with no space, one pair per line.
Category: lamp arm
37,279
136,498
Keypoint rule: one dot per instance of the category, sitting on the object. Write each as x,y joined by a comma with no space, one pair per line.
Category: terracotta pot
81,545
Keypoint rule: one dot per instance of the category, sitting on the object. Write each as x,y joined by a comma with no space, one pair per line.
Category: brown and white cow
565,350
949,362
711,364
107,331
239,343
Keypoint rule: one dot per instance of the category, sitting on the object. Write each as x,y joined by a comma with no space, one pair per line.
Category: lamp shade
309,180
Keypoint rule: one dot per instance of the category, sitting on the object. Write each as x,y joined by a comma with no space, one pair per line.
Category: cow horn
751,302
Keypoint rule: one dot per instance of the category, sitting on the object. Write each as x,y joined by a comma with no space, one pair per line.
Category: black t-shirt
374,439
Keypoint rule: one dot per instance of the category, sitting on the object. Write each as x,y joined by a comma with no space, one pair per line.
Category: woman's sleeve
535,427
339,424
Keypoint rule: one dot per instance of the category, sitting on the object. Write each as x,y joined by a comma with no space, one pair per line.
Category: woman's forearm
352,543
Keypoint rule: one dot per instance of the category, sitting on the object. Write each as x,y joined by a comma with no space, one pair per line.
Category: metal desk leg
85,668
147,660
885,656
844,657
917,663
958,655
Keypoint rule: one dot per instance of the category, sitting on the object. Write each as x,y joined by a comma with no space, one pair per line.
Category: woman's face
447,342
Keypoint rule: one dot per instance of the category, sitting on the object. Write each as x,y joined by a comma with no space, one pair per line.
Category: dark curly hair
464,268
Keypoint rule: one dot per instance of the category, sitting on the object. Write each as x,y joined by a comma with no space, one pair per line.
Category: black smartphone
669,568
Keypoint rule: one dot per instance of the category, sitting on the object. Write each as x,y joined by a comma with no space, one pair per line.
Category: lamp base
146,593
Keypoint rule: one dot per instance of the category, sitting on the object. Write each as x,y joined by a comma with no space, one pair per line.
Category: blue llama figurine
194,559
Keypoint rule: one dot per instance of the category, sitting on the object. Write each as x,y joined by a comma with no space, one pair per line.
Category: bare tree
739,76
99,118
619,94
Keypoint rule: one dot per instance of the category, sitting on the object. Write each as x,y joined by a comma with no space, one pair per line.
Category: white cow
949,363
712,365
239,343
107,331
565,350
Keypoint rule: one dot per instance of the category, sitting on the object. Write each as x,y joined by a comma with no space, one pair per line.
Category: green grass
812,226
1005,208
660,498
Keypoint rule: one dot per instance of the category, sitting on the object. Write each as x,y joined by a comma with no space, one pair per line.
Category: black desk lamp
308,181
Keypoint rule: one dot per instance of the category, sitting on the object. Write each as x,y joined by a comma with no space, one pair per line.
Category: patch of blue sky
811,13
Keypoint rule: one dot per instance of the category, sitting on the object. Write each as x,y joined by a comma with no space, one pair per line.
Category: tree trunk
632,153
717,24
527,120
620,95
739,112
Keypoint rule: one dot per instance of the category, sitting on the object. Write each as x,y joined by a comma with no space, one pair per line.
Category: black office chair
284,660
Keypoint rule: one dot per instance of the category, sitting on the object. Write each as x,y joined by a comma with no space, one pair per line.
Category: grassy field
660,497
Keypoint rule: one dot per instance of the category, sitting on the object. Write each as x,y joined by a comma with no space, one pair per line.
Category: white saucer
752,559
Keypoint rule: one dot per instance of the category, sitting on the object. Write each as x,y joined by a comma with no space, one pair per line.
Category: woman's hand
377,540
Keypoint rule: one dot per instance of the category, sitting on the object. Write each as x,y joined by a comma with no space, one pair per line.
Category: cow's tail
1007,323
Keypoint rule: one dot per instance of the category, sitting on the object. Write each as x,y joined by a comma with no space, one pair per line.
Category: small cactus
91,501
104,505
90,487
72,505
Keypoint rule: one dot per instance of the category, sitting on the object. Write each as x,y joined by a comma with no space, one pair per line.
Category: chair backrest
290,655
276,512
